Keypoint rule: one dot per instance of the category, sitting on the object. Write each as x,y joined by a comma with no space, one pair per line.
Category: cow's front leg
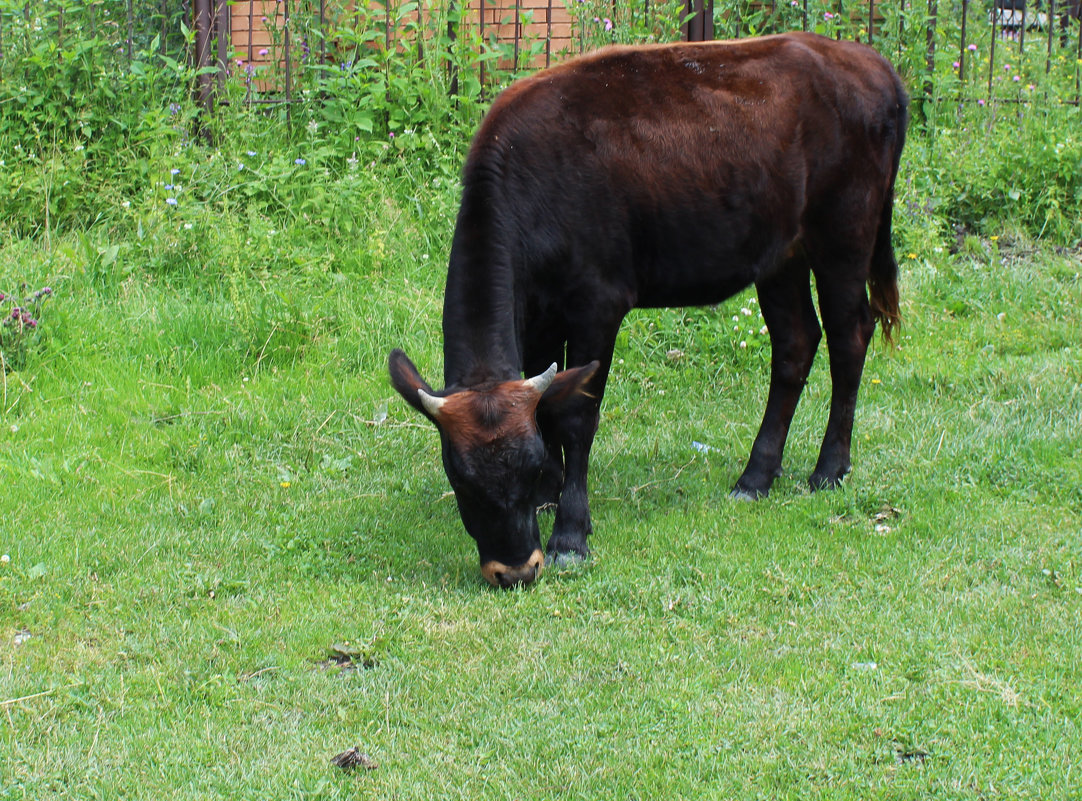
574,417
572,526
546,494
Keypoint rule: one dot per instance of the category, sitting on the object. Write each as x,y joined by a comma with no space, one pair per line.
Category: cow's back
683,171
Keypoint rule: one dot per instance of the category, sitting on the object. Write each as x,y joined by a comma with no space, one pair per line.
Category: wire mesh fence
257,51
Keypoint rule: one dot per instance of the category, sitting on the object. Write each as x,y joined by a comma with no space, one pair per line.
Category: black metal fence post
700,27
204,83
992,53
962,45
1078,60
1051,25
929,52
222,29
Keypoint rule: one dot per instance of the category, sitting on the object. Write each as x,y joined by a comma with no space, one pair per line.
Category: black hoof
565,558
742,492
819,481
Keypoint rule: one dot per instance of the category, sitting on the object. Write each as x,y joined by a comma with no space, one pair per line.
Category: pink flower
263,52
608,24
972,48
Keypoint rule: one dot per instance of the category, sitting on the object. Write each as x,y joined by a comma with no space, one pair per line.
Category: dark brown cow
655,176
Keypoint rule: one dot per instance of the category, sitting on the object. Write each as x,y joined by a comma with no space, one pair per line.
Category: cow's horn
432,404
542,382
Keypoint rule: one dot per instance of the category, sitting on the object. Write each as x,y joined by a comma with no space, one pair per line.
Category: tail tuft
883,278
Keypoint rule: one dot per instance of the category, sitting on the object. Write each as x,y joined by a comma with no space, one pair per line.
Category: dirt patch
347,657
352,759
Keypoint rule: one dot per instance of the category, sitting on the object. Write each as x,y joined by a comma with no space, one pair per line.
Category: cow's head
494,454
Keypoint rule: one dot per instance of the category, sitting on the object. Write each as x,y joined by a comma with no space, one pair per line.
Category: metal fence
969,50
946,50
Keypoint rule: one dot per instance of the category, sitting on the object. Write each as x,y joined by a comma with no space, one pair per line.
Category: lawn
230,551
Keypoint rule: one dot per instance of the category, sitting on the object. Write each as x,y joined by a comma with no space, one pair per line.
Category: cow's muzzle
500,575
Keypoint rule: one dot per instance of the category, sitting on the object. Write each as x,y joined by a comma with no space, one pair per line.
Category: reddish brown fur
664,175
477,418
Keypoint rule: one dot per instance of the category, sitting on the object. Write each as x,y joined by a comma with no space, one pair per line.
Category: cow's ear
406,379
569,385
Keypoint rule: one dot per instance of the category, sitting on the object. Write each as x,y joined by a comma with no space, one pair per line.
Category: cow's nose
500,575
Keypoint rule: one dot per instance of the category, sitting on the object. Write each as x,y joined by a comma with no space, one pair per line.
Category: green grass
206,482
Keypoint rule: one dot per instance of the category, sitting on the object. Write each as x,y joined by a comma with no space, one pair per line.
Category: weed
19,327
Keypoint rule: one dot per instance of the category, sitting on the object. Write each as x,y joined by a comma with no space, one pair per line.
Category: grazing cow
655,176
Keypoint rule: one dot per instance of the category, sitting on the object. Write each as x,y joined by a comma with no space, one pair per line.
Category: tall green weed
102,130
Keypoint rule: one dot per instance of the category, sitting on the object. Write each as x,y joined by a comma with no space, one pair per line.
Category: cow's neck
480,324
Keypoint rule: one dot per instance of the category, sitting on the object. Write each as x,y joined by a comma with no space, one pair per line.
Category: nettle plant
600,22
19,327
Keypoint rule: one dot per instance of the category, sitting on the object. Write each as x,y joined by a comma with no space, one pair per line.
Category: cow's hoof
740,493
560,559
823,481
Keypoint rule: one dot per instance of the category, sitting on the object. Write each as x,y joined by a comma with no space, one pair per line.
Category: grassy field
230,552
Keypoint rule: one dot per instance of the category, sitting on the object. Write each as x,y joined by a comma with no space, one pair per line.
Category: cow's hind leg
847,320
786,303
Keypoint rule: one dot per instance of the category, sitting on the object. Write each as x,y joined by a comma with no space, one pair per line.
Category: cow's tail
883,276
